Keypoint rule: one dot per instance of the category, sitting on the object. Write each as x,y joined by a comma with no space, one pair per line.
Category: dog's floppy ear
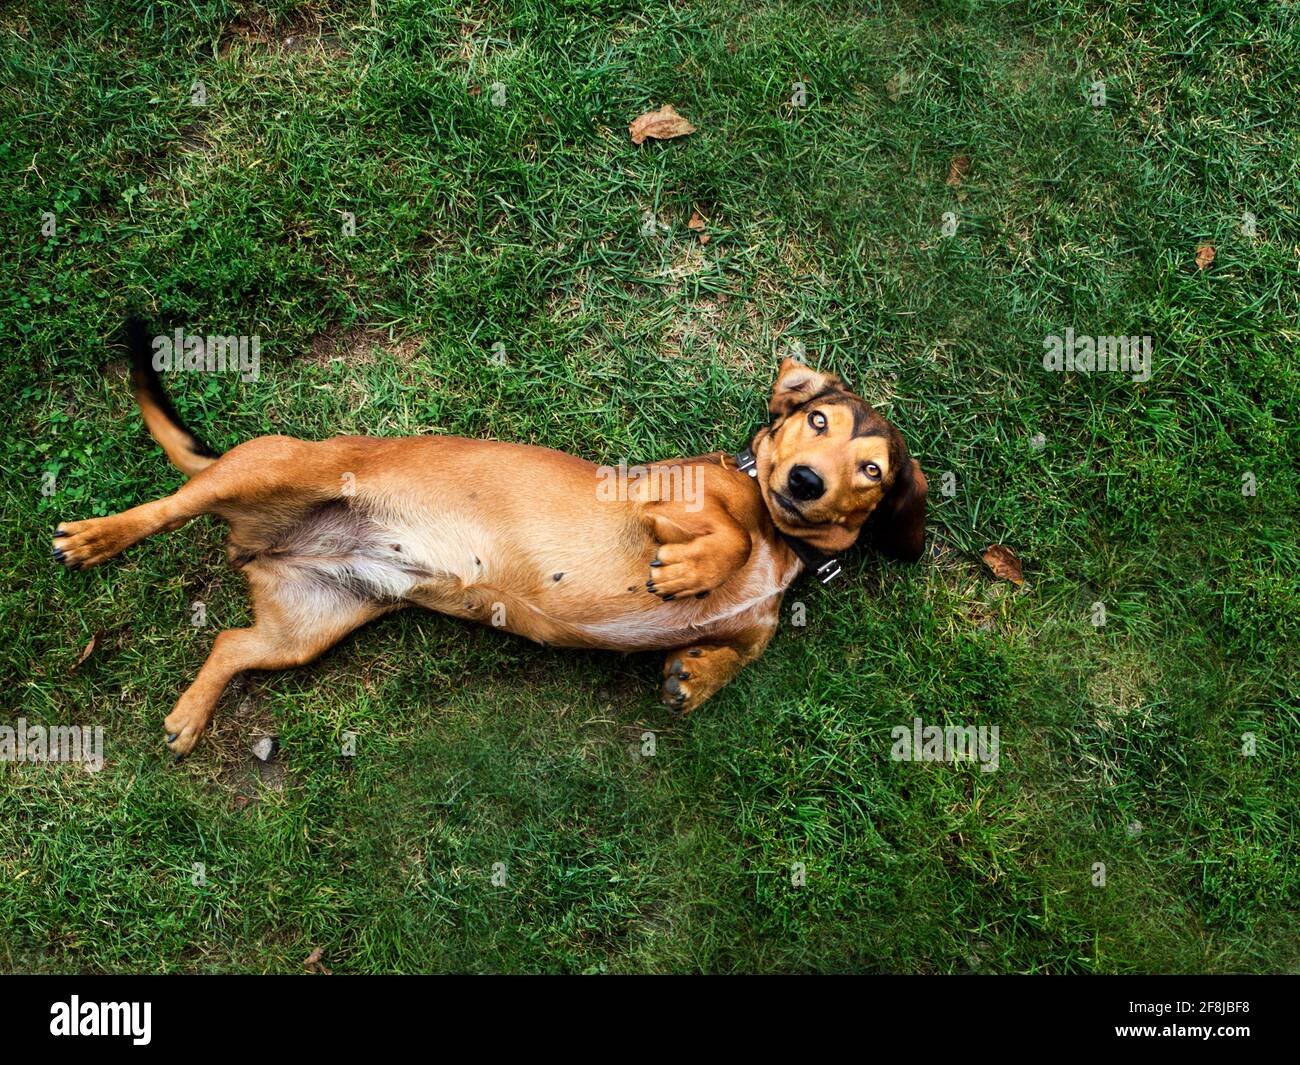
796,382
897,526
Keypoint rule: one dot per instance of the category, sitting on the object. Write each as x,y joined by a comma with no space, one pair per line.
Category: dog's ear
897,526
796,382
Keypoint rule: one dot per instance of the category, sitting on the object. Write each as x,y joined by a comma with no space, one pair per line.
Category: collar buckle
747,463
829,570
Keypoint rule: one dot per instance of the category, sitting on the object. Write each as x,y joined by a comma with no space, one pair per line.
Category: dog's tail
187,452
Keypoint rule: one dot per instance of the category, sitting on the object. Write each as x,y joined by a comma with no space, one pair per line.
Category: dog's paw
184,727
676,692
689,679
80,544
680,571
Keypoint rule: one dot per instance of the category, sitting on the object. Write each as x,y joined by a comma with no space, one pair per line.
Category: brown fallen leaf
1204,256
958,169
697,223
1003,562
315,964
662,125
86,651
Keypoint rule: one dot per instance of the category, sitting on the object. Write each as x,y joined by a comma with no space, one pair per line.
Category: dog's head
829,465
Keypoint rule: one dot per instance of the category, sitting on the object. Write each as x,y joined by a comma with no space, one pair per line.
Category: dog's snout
805,485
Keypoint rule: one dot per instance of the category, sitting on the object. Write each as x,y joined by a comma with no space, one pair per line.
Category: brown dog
691,556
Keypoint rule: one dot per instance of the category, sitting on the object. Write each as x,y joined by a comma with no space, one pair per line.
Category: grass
521,225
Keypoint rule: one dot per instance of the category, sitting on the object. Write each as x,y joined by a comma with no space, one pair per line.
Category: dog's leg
292,473
280,639
694,674
80,544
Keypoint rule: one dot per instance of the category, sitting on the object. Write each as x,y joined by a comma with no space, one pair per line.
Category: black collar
824,567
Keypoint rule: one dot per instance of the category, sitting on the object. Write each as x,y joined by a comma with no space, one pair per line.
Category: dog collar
824,567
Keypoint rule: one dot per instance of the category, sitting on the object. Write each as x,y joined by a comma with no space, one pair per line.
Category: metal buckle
747,463
832,564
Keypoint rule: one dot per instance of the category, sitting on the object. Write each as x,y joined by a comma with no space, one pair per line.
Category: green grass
520,224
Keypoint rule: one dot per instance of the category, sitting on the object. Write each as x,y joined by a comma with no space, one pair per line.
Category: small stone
264,747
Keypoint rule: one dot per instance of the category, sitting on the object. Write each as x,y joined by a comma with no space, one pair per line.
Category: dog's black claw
670,596
178,759
58,555
58,533
656,563
171,736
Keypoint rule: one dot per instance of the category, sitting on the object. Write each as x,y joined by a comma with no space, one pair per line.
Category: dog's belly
518,538
572,585
514,537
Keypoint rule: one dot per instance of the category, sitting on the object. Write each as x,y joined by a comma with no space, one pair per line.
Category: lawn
434,219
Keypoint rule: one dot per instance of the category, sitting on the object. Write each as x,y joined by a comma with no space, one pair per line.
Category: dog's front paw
676,692
693,674
680,571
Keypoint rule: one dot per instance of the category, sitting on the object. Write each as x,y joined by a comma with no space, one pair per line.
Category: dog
335,533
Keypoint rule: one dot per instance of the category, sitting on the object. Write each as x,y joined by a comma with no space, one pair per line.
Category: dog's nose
805,484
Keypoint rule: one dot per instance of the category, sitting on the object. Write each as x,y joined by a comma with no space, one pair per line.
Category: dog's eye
818,421
871,470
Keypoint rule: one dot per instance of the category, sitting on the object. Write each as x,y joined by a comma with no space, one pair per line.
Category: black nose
805,484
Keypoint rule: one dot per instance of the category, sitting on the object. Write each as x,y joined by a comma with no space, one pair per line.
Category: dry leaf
958,169
662,125
475,90
1003,562
86,651
697,223
1204,256
315,964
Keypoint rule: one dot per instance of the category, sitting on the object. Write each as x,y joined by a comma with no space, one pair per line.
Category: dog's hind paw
183,728
79,544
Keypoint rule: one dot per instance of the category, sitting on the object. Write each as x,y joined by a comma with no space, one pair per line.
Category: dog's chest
751,598
581,590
